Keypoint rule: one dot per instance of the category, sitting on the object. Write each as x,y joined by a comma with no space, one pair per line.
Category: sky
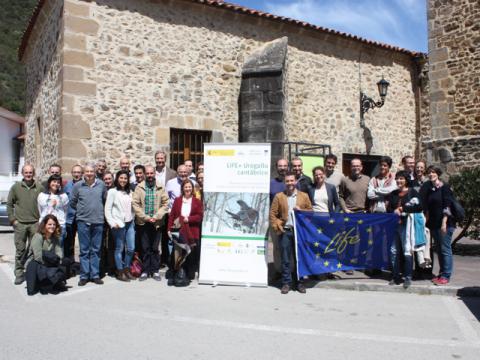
401,23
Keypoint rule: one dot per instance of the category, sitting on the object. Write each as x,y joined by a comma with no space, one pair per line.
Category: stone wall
43,60
134,69
454,56
324,81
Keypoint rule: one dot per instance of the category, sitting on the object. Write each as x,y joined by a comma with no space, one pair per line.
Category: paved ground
148,320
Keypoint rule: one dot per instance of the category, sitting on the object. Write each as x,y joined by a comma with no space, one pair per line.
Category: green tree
466,186
14,15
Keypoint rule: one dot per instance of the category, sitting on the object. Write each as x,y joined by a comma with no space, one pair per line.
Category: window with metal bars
187,145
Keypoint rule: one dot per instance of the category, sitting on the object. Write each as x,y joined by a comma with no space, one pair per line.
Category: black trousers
107,258
151,238
165,257
138,239
69,243
45,279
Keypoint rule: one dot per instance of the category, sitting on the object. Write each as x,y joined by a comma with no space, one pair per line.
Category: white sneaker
156,276
143,277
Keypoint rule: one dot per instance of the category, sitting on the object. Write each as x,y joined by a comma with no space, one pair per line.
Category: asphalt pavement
149,320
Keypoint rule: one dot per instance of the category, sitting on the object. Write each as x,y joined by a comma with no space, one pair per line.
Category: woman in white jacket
54,202
119,215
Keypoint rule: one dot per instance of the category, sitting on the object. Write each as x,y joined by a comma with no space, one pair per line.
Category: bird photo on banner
327,243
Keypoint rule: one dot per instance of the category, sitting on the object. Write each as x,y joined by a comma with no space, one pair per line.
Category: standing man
281,221
71,222
150,204
353,189
162,172
173,187
88,197
53,169
125,165
190,173
139,172
381,186
100,168
303,181
408,163
333,176
22,210
277,184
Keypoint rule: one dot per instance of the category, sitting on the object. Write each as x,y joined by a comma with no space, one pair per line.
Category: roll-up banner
235,221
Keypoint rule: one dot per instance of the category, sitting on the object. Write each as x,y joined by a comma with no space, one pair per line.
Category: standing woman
54,202
119,215
185,217
45,252
199,186
437,197
323,196
404,201
107,260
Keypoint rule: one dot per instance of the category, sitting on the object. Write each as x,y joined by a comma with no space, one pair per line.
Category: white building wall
8,146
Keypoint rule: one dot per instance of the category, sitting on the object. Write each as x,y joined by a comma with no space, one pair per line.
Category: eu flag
331,242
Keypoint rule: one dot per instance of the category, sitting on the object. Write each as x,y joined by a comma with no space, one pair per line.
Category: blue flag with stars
327,243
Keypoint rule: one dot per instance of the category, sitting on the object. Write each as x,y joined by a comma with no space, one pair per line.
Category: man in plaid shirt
150,204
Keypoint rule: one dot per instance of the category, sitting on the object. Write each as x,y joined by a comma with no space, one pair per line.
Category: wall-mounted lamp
367,103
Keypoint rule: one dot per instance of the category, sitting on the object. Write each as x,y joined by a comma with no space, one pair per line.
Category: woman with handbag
437,198
44,269
119,215
184,229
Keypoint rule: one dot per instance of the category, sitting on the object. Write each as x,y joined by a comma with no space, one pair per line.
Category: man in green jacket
23,214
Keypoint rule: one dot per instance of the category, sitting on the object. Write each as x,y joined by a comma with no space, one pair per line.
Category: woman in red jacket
184,229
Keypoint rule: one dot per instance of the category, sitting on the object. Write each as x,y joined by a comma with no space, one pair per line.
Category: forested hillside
14,15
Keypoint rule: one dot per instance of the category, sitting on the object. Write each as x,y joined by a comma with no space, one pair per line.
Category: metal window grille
187,145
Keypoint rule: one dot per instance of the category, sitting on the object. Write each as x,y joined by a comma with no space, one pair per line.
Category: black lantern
367,103
383,87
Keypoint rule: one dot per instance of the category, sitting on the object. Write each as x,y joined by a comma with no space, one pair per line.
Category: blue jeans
396,251
287,251
124,237
90,241
443,247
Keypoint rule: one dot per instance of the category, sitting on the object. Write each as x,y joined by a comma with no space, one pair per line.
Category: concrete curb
414,289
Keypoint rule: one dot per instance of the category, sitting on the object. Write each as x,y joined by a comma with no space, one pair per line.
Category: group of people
416,194
153,211
156,212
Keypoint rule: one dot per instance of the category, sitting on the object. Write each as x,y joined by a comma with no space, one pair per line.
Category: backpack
457,210
136,266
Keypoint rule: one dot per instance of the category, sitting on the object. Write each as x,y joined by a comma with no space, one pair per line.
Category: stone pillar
453,28
74,125
262,96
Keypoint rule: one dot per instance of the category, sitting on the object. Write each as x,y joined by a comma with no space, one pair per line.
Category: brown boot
128,274
121,276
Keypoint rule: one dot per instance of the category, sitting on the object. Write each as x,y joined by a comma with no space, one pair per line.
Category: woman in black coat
437,198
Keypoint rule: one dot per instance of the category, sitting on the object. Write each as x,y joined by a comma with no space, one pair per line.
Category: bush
466,187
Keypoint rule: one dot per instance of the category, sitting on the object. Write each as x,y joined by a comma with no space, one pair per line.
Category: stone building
107,77
452,136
